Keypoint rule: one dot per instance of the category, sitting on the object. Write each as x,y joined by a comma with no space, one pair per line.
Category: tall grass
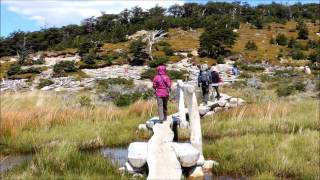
278,139
25,126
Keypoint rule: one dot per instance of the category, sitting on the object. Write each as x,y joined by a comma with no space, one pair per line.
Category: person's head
161,69
214,68
234,65
204,67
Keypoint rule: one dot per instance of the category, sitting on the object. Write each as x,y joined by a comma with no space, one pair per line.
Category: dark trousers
162,107
217,91
205,93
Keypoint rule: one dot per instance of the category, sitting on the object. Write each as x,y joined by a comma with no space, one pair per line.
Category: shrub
32,70
173,74
281,39
314,56
272,41
64,66
158,61
85,47
14,69
285,90
168,51
296,54
126,99
85,101
189,55
288,89
163,43
303,30
313,44
220,60
251,45
293,43
44,83
106,83
89,58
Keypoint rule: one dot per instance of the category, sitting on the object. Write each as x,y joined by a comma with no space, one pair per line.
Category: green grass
278,139
65,161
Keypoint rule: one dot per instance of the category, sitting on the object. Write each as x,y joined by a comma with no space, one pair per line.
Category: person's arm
199,79
154,83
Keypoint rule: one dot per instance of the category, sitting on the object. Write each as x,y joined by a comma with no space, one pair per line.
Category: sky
32,15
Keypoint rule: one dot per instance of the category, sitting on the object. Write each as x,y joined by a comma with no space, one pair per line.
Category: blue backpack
205,77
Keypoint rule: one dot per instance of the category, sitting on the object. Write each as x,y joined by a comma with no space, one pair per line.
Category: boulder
208,164
196,172
137,154
203,110
187,154
142,127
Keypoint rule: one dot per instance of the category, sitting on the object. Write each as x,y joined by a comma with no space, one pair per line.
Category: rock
307,70
203,110
162,160
142,127
122,170
310,86
217,109
221,102
187,154
137,175
236,102
129,168
208,164
255,83
209,113
137,154
196,172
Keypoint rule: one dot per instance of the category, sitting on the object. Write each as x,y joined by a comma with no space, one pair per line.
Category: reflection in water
11,161
117,155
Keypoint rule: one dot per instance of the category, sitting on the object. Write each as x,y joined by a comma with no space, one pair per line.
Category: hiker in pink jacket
162,86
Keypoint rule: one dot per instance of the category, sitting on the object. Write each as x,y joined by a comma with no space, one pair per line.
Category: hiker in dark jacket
204,80
162,86
215,79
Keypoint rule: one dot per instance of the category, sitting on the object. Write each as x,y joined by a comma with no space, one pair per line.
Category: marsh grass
278,139
65,161
33,120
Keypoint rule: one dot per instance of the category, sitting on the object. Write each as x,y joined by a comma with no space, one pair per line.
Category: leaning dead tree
152,38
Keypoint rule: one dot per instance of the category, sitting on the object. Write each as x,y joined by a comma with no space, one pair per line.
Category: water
118,155
12,161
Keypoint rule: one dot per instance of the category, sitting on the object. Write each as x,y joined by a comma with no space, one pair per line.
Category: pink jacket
161,82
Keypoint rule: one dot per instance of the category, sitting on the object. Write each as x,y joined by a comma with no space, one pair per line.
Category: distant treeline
115,27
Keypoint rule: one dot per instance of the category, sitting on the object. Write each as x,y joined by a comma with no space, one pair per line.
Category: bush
272,41
126,99
168,51
158,61
44,83
89,58
314,56
281,39
104,84
85,101
14,69
303,30
251,45
163,43
32,70
189,55
64,66
84,48
296,54
173,74
313,44
286,90
220,60
293,43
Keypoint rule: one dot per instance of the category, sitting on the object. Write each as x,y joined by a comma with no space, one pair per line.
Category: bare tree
152,38
23,51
